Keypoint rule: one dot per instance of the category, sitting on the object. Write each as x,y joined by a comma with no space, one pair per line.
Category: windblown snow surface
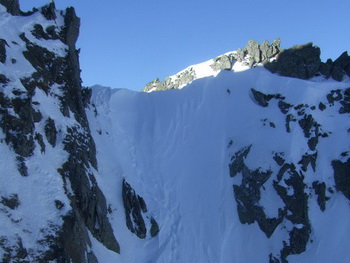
175,148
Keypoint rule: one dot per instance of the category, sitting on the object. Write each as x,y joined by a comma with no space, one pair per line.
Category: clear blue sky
125,44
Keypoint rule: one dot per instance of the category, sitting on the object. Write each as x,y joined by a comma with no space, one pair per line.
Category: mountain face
50,201
248,162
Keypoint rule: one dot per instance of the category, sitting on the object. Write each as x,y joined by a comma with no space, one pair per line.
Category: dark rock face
295,209
87,200
135,208
154,227
278,157
283,106
11,202
19,129
49,11
51,132
301,62
247,194
320,190
341,176
288,179
49,68
13,254
12,6
297,205
341,66
3,79
326,68
261,98
73,241
3,51
343,62
48,33
341,97
345,102
39,138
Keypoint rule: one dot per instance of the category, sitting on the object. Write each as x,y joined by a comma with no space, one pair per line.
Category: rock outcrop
27,126
290,181
135,213
223,62
180,80
12,6
254,53
300,61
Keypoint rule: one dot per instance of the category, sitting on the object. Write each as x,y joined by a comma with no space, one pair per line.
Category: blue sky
125,44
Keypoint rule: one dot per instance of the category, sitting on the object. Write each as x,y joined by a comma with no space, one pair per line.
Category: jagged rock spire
49,11
12,6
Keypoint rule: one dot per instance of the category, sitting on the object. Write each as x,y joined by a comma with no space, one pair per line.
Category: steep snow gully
232,163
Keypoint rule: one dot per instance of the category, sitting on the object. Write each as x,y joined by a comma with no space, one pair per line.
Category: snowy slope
239,165
49,200
18,225
175,149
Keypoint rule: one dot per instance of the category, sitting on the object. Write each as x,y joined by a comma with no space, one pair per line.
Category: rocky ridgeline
291,181
301,61
21,118
181,79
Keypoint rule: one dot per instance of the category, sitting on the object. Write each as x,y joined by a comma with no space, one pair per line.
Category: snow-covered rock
240,165
50,201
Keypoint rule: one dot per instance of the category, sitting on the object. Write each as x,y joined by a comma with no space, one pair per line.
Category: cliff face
242,165
46,140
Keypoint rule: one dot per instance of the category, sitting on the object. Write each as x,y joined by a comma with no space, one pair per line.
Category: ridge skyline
156,40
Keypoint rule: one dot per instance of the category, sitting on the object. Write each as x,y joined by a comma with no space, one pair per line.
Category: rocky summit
300,61
243,158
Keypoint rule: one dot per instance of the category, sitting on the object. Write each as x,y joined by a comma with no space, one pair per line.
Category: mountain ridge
247,166
299,61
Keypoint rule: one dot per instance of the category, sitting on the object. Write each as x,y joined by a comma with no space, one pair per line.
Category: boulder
221,63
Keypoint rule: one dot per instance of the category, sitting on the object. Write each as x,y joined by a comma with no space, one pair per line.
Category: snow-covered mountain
232,164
